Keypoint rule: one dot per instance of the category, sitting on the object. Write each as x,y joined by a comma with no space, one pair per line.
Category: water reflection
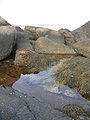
44,83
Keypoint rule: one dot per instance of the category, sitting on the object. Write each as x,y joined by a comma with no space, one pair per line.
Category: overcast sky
56,13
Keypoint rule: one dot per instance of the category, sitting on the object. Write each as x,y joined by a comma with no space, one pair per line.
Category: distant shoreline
49,26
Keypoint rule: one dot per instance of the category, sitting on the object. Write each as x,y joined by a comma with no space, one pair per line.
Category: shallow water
42,86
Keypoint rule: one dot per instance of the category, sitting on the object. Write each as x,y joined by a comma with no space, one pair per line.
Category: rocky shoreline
36,49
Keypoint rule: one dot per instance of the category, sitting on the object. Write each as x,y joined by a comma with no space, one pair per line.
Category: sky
69,14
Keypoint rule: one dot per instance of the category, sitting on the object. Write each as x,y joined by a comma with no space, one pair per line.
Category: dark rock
83,32
83,48
22,41
18,29
7,40
23,46
17,106
3,22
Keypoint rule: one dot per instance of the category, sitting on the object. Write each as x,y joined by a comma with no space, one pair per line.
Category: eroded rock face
3,22
7,41
17,106
75,73
83,48
68,36
48,46
83,32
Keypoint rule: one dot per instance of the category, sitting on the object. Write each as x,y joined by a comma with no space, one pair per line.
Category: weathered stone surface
36,32
17,106
48,46
36,62
74,72
68,36
7,40
55,36
83,32
3,22
83,48
22,41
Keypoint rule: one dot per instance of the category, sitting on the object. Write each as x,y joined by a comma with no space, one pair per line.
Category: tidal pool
43,87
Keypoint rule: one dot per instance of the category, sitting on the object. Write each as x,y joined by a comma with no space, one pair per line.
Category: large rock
7,40
22,40
55,36
34,61
83,48
68,36
23,46
83,32
75,72
25,56
17,106
3,22
36,32
49,46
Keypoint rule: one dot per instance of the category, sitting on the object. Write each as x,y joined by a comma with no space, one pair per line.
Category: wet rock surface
17,106
9,73
42,86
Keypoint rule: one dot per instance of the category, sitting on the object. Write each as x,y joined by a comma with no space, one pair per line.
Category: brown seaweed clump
74,110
